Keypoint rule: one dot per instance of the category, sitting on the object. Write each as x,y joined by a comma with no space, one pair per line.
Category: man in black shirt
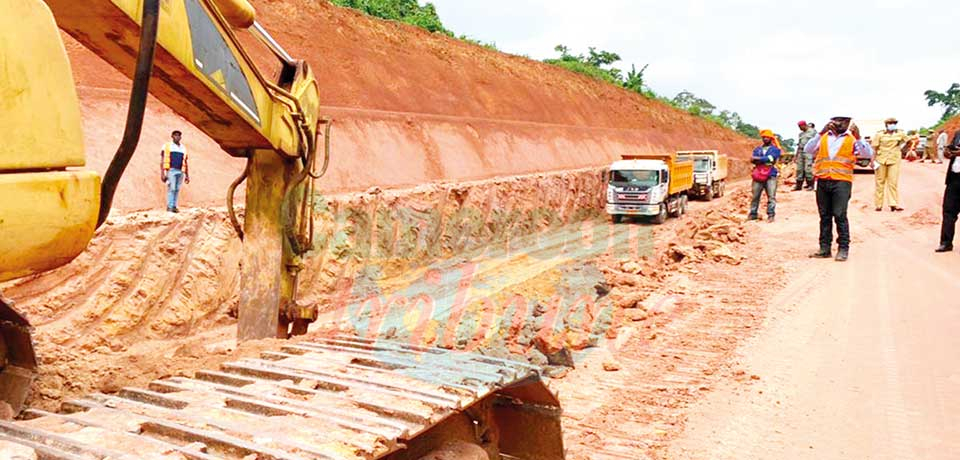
951,196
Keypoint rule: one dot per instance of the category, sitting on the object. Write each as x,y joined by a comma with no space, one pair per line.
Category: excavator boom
200,69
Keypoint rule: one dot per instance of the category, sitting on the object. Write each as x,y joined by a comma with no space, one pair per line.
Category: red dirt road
857,360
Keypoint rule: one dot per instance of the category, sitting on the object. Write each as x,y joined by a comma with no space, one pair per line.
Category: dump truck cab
648,185
709,172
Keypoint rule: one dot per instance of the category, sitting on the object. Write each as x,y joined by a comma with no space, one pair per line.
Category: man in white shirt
951,196
941,145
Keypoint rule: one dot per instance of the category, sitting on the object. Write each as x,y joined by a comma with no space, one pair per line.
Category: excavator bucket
18,362
334,398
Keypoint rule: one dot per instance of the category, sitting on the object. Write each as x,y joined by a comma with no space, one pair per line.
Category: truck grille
632,197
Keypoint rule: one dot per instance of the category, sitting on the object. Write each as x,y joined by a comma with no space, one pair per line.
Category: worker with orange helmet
765,174
835,152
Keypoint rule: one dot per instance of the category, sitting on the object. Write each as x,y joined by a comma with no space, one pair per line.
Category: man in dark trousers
835,151
951,195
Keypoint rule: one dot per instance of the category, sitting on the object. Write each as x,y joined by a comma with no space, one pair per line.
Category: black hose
138,103
237,227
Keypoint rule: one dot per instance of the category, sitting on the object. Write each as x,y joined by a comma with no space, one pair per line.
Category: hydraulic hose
231,211
149,23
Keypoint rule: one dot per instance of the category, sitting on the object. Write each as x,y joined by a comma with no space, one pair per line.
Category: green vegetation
950,100
599,64
406,11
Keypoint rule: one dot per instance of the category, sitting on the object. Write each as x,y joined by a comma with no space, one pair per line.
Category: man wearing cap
951,196
174,169
835,152
889,145
765,174
804,161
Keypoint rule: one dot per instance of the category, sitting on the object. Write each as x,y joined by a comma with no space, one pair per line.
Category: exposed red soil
409,107
952,126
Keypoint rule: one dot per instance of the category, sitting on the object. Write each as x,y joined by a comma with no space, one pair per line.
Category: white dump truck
652,185
709,172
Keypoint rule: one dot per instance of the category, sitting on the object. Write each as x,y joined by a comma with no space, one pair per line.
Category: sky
773,62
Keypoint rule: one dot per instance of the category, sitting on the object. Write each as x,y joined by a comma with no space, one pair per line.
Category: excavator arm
188,54
204,73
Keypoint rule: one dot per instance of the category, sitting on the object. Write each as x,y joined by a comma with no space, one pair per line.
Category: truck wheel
722,190
709,193
683,204
662,216
616,218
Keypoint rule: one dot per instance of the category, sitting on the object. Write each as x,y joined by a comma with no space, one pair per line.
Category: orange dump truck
652,185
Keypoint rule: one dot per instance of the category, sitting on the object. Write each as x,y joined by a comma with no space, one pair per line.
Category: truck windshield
636,178
701,165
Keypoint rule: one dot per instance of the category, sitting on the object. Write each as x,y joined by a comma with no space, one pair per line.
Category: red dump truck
651,185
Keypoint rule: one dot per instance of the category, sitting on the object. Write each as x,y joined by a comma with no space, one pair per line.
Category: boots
842,255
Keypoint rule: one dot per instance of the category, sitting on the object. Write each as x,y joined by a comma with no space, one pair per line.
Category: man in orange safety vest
835,152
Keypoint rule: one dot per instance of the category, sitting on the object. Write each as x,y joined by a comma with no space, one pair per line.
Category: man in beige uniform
889,146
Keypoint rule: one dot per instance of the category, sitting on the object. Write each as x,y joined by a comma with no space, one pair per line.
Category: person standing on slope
889,145
835,153
804,161
951,196
174,169
765,174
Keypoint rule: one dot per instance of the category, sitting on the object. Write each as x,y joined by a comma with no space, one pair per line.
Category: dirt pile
716,236
409,108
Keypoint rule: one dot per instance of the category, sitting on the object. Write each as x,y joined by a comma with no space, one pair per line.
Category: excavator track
334,398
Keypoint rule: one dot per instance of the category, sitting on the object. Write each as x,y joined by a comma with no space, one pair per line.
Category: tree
749,130
729,119
591,65
634,80
693,104
950,100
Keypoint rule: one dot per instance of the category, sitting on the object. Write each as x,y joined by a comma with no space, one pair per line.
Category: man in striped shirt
174,169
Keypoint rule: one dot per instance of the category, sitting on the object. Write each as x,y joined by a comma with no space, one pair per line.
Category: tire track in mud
173,285
131,287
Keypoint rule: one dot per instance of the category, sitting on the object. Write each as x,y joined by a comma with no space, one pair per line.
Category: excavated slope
409,107
497,147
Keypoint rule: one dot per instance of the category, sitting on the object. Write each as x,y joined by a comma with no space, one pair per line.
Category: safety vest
841,166
166,155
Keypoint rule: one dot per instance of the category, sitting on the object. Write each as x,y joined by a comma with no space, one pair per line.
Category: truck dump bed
339,398
681,169
722,161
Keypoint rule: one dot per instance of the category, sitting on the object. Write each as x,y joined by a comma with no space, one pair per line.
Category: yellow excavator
339,397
